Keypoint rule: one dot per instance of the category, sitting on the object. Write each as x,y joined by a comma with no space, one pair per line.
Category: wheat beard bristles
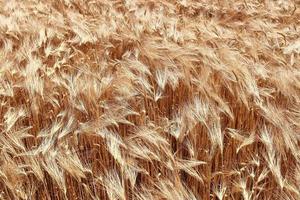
149,99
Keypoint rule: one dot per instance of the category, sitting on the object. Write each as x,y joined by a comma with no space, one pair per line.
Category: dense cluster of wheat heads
149,99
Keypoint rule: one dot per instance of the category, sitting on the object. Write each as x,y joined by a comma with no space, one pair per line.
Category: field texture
149,99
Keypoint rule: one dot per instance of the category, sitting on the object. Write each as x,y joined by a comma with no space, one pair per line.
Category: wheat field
150,99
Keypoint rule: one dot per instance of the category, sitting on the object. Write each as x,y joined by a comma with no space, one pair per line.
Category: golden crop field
150,99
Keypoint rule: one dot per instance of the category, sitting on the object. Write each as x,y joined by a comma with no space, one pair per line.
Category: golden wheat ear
149,99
